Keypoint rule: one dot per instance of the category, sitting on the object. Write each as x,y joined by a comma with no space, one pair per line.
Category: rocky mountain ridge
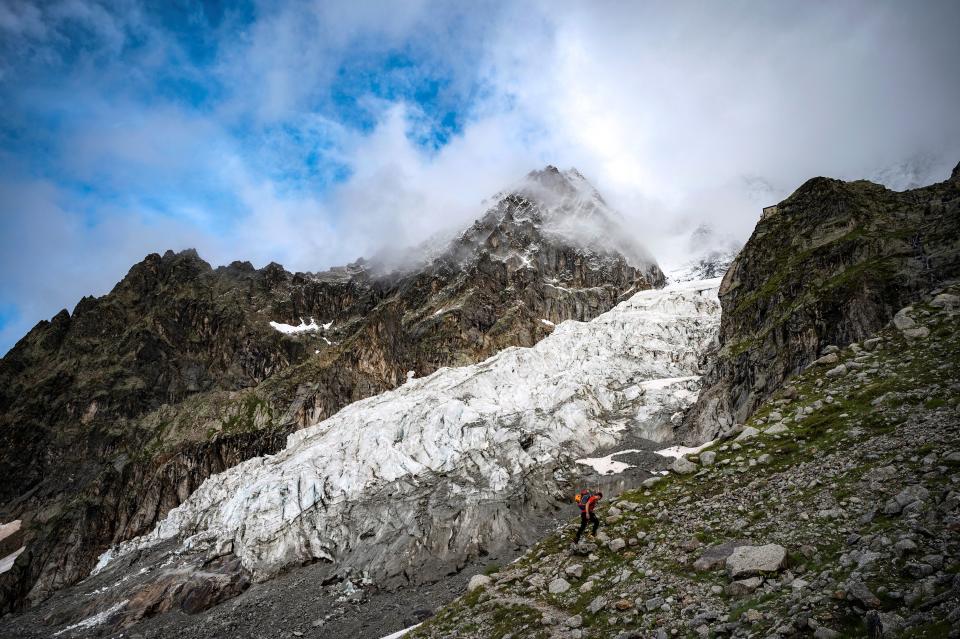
114,414
831,264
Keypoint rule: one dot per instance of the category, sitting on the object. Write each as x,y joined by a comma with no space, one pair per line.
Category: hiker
588,504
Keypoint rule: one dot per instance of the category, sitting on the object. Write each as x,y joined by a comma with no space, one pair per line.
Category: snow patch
400,633
288,329
7,562
9,528
680,451
547,322
606,465
95,620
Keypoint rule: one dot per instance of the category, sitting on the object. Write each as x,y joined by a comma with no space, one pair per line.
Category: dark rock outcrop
114,414
829,265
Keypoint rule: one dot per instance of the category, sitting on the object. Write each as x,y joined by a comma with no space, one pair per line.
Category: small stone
904,546
916,333
859,591
752,615
777,429
586,587
747,433
764,458
744,587
574,622
839,371
558,586
574,570
871,343
911,494
653,604
617,544
623,604
598,604
825,633
707,457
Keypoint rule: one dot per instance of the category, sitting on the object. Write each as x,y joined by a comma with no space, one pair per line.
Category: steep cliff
114,414
829,265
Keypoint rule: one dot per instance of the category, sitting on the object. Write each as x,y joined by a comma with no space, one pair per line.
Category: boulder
653,604
683,466
902,320
715,556
839,371
558,586
872,343
747,433
919,332
747,561
708,457
478,581
827,360
776,429
859,592
617,544
946,300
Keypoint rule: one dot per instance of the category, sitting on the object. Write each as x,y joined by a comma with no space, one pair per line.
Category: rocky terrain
114,414
833,511
831,264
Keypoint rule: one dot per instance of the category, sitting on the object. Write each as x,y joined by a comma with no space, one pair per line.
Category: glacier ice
447,465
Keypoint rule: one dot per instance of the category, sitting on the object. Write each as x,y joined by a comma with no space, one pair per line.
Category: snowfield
433,468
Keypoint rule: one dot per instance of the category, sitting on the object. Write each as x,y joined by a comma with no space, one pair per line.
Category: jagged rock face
829,265
113,415
410,485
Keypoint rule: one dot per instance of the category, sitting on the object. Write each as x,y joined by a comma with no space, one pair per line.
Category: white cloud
679,114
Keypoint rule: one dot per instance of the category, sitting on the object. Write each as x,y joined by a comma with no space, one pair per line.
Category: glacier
407,483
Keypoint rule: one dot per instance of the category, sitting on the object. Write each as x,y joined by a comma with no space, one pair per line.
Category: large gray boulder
558,586
478,581
683,466
748,561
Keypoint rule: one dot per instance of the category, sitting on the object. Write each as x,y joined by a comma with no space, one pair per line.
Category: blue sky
314,132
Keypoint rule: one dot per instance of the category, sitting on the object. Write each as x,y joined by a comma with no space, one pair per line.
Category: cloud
312,133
